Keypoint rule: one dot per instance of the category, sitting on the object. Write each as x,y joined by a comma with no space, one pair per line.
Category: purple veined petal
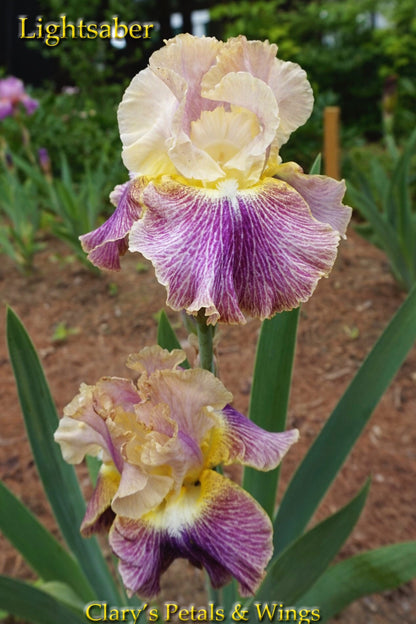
251,445
107,243
253,251
219,527
322,194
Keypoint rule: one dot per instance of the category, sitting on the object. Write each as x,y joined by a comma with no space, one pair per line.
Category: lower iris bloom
227,226
157,491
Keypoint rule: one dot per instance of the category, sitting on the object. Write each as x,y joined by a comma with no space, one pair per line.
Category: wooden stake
331,141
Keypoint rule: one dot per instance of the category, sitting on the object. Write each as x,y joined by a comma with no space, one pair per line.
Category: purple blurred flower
158,491
45,161
12,93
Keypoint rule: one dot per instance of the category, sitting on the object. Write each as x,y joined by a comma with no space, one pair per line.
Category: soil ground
111,315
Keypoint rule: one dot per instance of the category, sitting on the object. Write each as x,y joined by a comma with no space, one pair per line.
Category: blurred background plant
385,198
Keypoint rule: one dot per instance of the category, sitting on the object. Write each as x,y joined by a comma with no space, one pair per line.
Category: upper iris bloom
227,227
12,92
160,442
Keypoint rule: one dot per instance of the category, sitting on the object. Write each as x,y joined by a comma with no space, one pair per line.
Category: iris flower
12,92
160,441
227,226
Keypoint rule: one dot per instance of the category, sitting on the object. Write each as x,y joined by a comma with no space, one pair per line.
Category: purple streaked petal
226,532
107,243
256,251
322,194
251,445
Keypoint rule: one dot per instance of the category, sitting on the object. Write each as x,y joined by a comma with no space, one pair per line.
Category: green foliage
372,571
385,198
57,476
20,218
81,124
270,395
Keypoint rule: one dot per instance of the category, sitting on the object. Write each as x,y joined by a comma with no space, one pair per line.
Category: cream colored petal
192,395
287,80
155,358
145,120
294,97
77,439
191,161
244,90
142,501
238,54
166,450
185,60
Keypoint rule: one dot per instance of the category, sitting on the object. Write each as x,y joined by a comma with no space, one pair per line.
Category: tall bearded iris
160,442
227,226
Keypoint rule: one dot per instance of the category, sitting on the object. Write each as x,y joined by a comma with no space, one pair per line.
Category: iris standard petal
287,81
185,60
215,525
107,243
253,251
145,120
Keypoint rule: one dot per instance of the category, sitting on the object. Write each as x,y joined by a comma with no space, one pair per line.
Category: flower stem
205,339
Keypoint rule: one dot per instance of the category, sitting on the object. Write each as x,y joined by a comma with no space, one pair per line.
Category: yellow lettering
22,31
92,30
65,26
50,30
105,31
116,34
88,614
171,608
262,610
146,30
133,28
183,615
114,615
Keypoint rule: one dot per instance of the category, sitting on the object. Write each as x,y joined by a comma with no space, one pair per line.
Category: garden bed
84,325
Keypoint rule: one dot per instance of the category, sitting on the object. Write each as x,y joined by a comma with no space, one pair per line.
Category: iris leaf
38,546
329,451
303,562
270,395
166,337
34,605
367,573
58,477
